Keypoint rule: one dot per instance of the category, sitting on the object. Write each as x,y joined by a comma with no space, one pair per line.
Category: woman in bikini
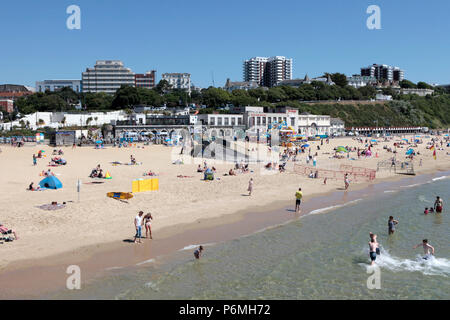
148,225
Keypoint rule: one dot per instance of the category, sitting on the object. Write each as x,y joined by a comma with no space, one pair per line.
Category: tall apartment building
268,72
107,76
146,80
383,72
54,85
178,80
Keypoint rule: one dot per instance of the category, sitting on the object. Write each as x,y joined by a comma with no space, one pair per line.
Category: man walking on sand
138,225
298,200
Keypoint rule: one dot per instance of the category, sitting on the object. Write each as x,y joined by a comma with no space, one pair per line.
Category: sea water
323,255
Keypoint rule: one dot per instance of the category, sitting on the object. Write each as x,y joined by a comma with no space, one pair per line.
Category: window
292,121
233,121
258,121
227,121
240,121
219,121
211,121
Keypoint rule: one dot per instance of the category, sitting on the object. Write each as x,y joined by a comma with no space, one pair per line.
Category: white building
266,71
178,80
357,81
337,127
107,76
58,120
54,85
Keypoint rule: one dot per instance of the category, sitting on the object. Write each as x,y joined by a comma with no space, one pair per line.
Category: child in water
426,211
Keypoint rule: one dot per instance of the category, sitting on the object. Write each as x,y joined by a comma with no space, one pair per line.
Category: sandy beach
97,219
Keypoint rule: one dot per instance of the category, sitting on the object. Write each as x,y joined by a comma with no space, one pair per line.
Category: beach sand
97,219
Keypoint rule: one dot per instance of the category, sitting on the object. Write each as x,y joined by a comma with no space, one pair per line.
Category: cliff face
432,112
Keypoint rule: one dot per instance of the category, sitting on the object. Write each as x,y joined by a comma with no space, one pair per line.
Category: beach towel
51,206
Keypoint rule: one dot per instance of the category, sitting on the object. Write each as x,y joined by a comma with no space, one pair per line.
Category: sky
211,39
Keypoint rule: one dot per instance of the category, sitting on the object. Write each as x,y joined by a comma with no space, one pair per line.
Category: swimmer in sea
438,204
391,224
427,249
198,252
374,237
373,246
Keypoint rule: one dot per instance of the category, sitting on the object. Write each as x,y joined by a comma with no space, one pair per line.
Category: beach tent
405,139
373,140
50,182
410,151
305,145
341,149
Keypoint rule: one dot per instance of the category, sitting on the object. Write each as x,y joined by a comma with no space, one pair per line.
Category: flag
434,154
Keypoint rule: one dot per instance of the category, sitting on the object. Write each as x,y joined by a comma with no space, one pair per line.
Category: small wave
113,268
412,185
439,178
431,266
146,261
390,191
195,246
321,210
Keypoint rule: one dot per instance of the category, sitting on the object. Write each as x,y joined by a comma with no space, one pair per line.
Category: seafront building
107,76
147,80
14,91
357,81
240,85
54,85
267,72
180,81
383,72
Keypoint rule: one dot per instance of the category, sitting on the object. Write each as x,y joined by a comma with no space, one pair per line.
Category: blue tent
410,151
50,182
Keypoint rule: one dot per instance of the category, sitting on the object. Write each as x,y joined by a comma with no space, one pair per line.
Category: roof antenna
212,76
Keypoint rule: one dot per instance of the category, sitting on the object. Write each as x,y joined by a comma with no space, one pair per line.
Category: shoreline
98,260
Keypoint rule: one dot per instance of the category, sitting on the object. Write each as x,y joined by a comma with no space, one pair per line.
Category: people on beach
391,225
198,252
5,231
250,186
132,159
298,199
148,225
427,248
438,205
346,181
138,220
426,211
34,160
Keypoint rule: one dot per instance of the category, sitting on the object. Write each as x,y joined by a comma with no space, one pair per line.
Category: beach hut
50,182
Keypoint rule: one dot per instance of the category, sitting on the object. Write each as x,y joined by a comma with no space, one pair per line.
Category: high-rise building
146,80
383,72
268,71
107,76
54,85
178,80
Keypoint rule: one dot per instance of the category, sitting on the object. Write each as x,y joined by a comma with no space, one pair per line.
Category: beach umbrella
405,139
99,141
373,140
341,149
305,145
410,151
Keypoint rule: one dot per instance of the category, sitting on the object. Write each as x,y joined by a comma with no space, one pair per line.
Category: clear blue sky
214,37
